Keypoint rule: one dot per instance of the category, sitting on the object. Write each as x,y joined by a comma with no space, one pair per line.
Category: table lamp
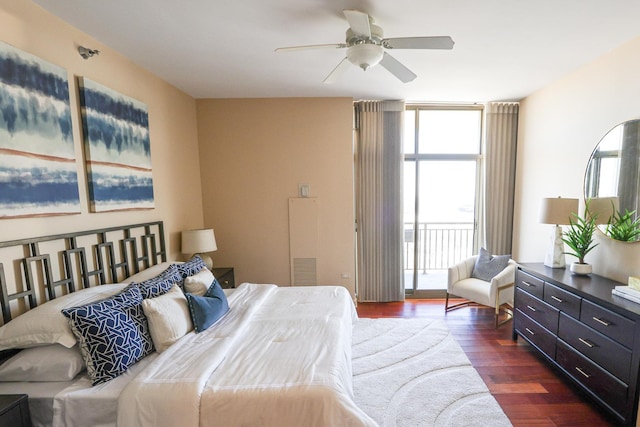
557,211
198,242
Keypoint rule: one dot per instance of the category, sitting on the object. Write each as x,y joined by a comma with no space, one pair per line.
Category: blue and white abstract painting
117,148
38,174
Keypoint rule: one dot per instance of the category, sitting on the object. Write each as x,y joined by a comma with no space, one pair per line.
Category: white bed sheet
75,402
281,357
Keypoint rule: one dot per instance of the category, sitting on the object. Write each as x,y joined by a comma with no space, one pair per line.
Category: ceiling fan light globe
365,55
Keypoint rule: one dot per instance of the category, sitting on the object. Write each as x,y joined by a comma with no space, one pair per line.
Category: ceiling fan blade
359,22
313,46
396,68
437,42
337,72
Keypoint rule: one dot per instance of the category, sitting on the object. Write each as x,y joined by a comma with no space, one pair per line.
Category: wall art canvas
117,149
38,172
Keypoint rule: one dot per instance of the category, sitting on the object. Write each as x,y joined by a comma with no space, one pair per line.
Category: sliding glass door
441,186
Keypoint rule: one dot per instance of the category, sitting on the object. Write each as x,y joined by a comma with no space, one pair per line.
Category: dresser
591,336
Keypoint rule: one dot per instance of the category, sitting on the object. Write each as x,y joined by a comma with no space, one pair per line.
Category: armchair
494,293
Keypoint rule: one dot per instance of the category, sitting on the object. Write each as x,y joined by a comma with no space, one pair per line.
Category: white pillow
169,318
149,273
48,363
199,283
45,324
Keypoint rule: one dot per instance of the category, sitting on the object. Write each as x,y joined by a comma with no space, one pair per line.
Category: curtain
378,168
500,174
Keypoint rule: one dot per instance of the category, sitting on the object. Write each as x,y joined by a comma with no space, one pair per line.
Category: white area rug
412,372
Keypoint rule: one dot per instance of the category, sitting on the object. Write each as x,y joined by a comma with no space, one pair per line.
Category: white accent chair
494,294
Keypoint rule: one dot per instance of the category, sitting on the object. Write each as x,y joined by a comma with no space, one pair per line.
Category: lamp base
208,262
555,255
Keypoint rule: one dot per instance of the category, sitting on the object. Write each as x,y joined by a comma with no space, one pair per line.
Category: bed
145,342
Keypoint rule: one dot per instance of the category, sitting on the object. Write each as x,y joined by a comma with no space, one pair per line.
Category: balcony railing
440,244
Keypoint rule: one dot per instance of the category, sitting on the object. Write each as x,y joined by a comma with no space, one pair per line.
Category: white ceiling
505,49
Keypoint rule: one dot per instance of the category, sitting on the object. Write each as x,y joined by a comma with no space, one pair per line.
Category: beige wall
253,155
560,126
172,123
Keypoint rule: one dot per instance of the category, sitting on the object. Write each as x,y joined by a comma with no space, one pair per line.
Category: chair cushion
476,290
488,266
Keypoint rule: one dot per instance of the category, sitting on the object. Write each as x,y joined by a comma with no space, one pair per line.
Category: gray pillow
487,265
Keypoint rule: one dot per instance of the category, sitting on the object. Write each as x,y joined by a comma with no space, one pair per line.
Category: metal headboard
74,261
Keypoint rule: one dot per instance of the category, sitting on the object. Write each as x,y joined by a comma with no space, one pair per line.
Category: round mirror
612,182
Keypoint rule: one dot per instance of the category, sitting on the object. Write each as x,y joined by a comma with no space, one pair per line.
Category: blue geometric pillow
109,338
191,267
207,309
160,284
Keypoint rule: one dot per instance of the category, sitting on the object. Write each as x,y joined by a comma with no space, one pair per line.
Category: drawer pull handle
602,322
585,342
531,308
524,282
555,298
583,372
530,331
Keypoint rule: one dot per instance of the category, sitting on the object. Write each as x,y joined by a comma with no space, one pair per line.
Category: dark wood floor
529,391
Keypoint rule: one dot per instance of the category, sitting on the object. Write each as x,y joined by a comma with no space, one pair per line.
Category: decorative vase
581,269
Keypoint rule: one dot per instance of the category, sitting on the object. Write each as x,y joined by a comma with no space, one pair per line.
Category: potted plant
579,238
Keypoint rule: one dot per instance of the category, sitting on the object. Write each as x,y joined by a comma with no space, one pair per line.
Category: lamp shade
602,208
198,241
557,210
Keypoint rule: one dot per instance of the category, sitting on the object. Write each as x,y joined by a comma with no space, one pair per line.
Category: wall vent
303,240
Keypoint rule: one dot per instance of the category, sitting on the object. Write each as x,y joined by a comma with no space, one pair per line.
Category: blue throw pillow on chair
488,266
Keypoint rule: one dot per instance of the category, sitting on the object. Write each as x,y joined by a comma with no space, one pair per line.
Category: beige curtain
378,167
500,174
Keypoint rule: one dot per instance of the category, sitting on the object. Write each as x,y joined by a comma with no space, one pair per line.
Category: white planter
583,269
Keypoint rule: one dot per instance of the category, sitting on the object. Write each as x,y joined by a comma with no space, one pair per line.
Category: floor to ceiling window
442,158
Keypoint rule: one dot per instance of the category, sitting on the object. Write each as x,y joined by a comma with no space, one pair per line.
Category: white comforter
280,357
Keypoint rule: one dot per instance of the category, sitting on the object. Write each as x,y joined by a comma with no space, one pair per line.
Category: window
442,152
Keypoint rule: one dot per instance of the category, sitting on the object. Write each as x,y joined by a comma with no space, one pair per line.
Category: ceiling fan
365,44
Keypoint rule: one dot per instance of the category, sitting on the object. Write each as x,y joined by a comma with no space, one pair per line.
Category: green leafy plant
624,227
579,236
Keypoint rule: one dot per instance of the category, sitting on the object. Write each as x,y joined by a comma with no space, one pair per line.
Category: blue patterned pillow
109,338
191,267
207,309
160,284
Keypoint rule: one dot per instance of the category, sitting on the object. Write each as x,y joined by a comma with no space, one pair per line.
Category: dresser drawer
530,283
613,325
536,334
607,353
537,309
606,387
562,300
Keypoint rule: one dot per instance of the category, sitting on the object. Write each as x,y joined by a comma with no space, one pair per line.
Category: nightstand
225,276
14,410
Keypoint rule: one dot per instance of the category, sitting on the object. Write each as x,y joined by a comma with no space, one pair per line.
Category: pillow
487,266
49,363
45,324
207,309
110,340
160,284
191,267
199,283
149,273
168,317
